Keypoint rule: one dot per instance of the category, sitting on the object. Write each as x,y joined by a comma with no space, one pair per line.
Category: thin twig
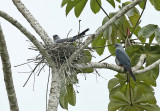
96,74
79,27
130,93
34,81
24,63
106,58
32,73
99,46
138,21
41,69
47,88
69,33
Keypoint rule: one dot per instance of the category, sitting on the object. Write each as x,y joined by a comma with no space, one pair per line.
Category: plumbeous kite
122,59
57,39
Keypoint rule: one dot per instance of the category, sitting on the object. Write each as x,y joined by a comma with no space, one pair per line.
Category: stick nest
62,51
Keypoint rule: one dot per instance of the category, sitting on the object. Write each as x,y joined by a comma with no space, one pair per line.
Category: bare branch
100,66
140,62
8,74
118,68
33,22
148,68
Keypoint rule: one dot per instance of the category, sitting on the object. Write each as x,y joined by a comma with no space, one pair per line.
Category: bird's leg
128,78
130,93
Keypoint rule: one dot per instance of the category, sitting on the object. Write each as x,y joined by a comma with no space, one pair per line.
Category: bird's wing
124,60
65,40
117,62
122,57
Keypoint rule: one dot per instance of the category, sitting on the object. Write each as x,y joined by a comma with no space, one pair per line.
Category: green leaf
140,101
147,31
70,5
64,2
121,97
63,100
118,1
79,7
87,57
113,38
143,40
123,25
111,48
94,6
99,44
105,20
125,4
142,4
132,12
143,101
107,32
133,15
117,84
87,70
145,88
156,4
71,95
112,2
114,105
112,83
150,107
157,35
141,97
152,53
151,38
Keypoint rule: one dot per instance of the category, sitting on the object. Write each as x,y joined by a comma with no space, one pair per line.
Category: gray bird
122,59
57,39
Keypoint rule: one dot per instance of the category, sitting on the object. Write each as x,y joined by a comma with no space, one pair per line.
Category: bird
57,39
122,59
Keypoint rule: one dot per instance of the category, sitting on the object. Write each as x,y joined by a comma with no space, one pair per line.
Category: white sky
93,95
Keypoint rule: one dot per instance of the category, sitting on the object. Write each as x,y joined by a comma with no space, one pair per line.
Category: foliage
125,96
67,95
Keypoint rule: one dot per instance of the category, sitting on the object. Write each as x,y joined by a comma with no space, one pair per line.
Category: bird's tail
130,71
81,35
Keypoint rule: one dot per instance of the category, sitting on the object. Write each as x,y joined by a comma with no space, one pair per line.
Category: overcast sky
93,92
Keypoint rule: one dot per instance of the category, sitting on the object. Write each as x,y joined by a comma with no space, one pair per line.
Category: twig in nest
32,72
41,69
79,26
24,63
69,33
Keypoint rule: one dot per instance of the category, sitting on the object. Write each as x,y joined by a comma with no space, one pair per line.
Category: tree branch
118,68
33,22
31,37
53,100
102,28
8,74
148,68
